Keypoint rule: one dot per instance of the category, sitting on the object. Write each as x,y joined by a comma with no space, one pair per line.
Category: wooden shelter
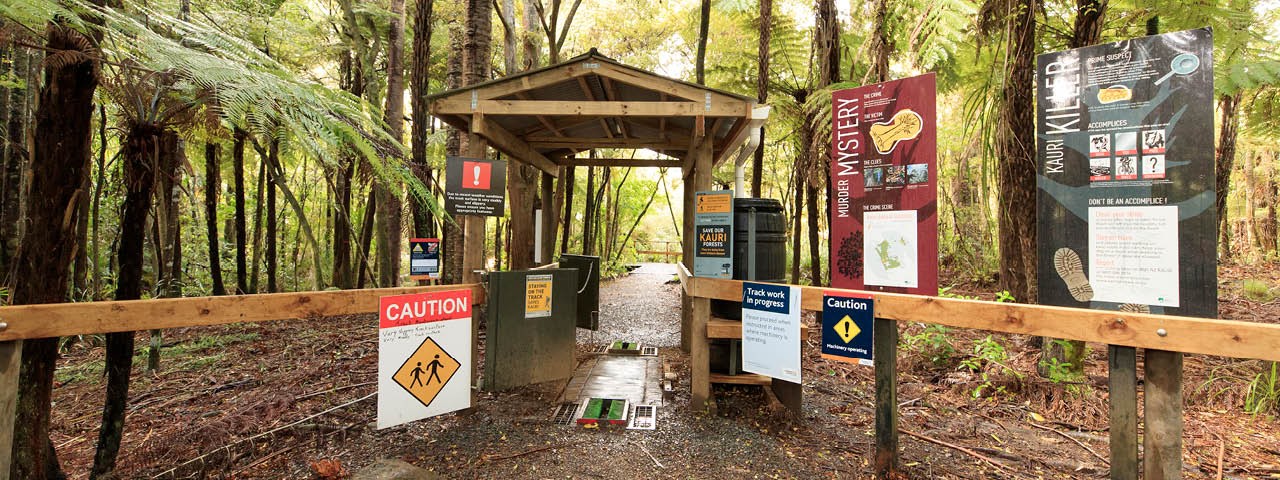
544,117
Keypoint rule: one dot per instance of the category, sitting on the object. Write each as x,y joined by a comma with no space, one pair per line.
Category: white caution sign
424,355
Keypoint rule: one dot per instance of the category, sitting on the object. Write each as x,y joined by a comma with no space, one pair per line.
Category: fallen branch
490,458
227,448
651,457
1069,437
972,453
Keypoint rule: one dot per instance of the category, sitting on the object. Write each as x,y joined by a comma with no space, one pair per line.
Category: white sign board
424,355
771,330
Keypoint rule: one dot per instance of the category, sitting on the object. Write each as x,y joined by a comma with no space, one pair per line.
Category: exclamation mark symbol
476,177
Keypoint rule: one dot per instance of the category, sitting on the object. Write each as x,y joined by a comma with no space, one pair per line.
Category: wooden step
721,328
741,379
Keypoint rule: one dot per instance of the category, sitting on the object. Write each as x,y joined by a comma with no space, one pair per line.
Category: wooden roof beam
586,90
621,162
611,94
512,145
542,118
553,108
587,142
663,85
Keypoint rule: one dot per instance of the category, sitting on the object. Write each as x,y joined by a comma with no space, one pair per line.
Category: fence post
700,356
885,347
1162,452
10,363
1122,372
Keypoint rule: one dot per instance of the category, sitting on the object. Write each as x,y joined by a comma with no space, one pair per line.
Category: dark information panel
1125,157
475,186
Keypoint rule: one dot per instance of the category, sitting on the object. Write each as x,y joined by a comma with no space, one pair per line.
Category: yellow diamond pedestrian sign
847,329
426,371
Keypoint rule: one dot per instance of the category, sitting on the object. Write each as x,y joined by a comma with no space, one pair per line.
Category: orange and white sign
424,355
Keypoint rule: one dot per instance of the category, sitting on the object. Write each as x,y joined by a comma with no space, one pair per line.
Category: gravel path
640,307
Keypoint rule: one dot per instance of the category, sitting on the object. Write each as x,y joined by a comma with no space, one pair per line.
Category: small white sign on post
424,355
771,330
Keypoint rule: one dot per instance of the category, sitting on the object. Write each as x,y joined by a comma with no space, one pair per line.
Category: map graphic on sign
426,371
890,248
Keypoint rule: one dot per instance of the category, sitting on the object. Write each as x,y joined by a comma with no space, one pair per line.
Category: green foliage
1263,393
986,354
1064,373
933,343
1258,290
1004,296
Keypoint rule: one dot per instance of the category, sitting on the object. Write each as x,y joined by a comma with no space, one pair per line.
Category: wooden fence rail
22,322
1162,335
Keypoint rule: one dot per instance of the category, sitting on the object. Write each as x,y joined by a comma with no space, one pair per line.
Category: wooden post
699,344
549,219
1162,444
687,245
10,363
473,239
885,348
1122,366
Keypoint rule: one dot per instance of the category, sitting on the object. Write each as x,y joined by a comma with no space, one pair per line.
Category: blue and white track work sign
847,322
771,330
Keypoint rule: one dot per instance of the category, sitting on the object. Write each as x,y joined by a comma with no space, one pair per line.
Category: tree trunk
882,45
1229,106
272,233
60,161
342,266
567,183
212,184
704,26
588,217
171,155
389,205
521,179
827,43
762,90
366,237
15,157
255,268
140,150
419,78
815,247
799,182
1016,169
1087,31
237,164
451,271
97,201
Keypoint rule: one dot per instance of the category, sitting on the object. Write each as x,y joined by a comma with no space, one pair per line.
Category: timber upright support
10,363
1162,443
885,349
700,308
1122,385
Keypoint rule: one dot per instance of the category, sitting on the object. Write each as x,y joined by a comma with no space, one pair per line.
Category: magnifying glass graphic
1181,65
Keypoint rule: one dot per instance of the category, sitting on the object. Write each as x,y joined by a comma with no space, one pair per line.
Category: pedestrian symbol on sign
425,372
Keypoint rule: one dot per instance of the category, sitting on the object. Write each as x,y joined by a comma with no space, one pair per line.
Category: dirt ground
295,400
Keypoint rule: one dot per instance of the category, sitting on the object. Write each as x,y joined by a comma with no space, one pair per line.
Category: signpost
847,331
1126,217
884,210
713,225
424,258
1126,176
771,330
475,186
424,355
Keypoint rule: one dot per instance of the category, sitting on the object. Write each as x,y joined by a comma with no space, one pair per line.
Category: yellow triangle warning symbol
417,248
425,372
847,329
